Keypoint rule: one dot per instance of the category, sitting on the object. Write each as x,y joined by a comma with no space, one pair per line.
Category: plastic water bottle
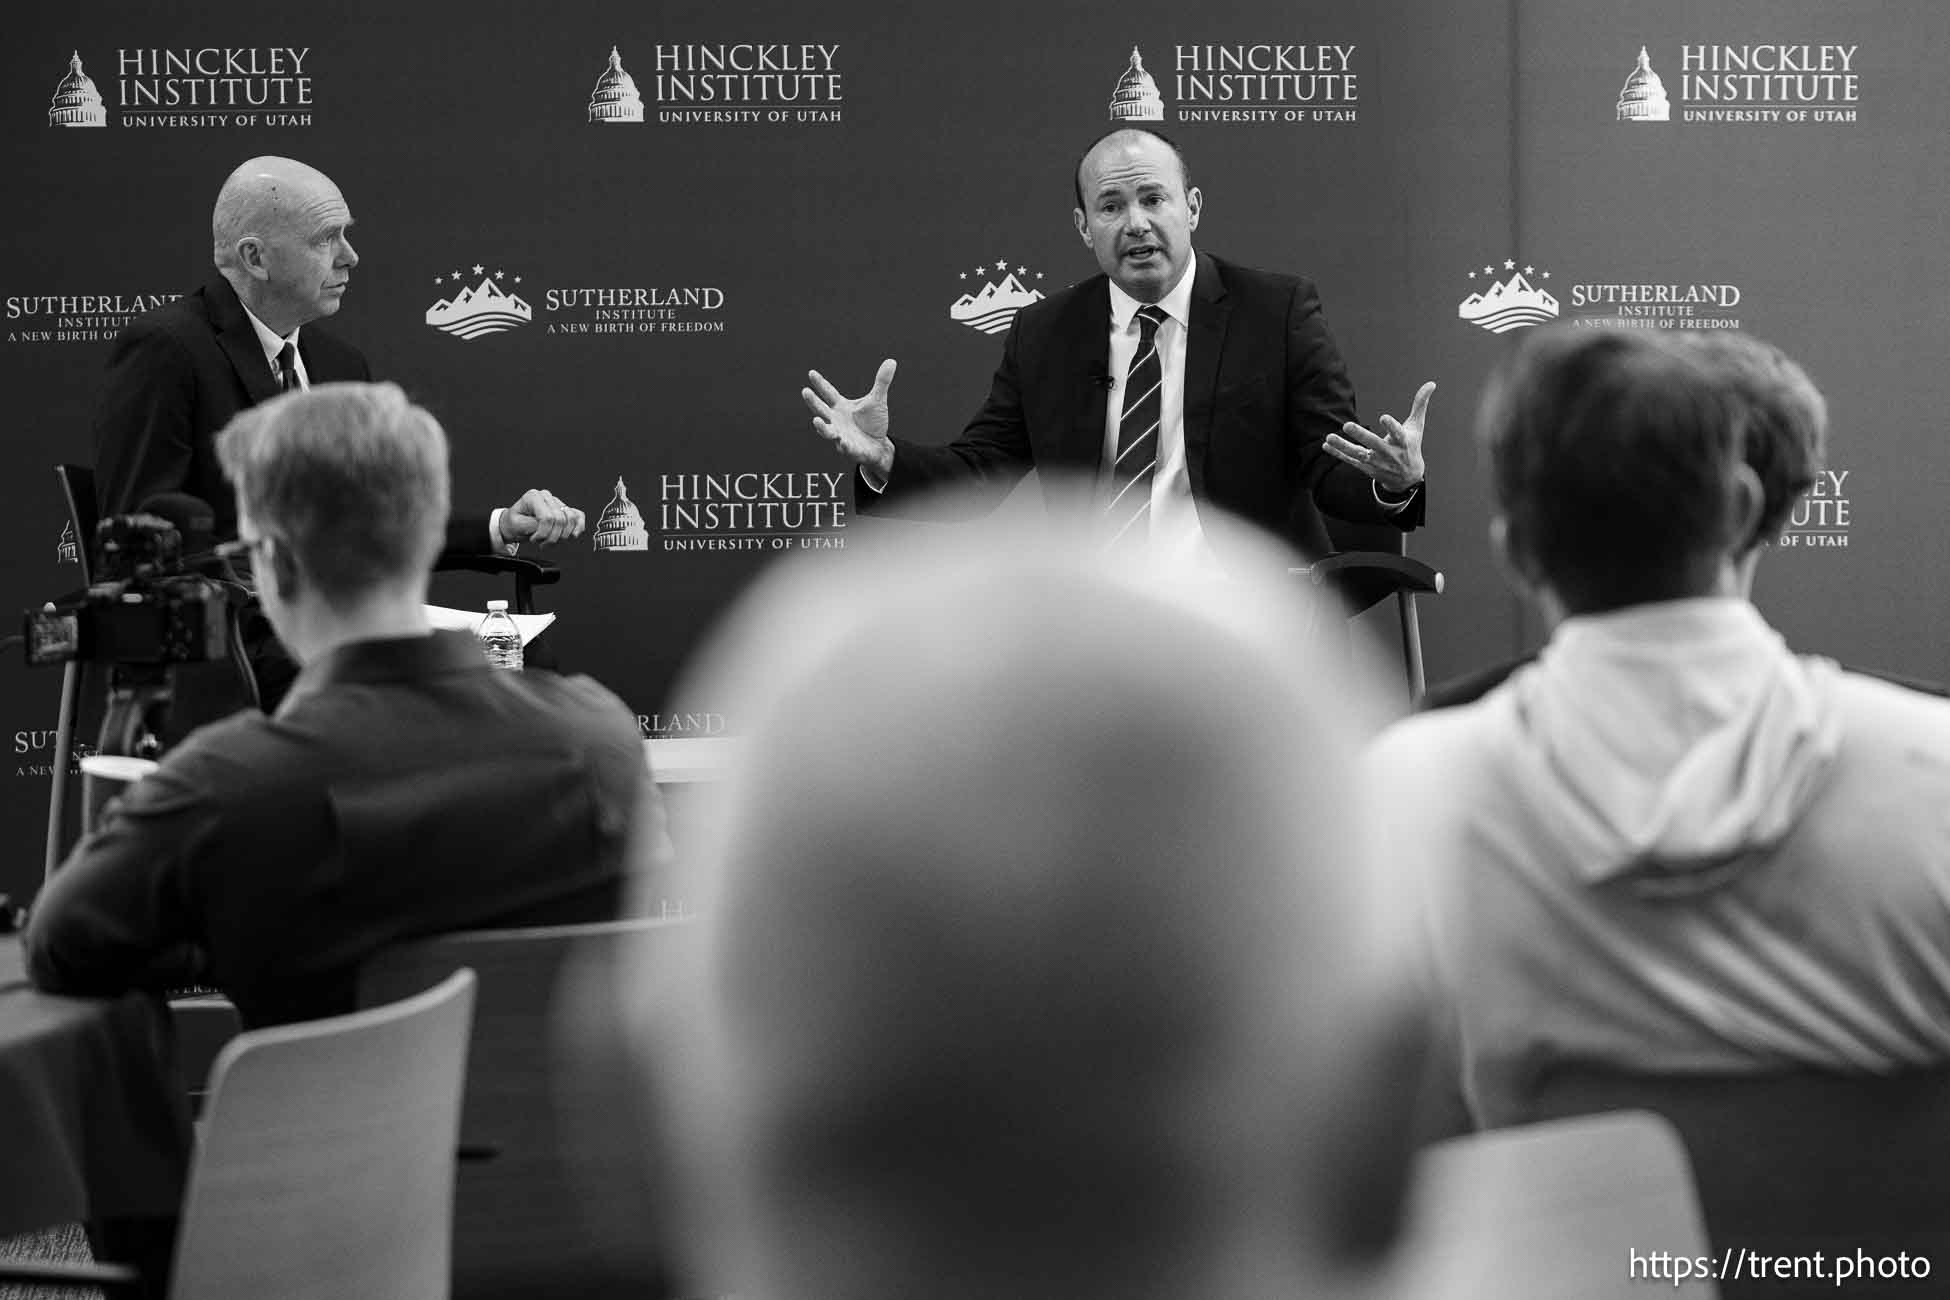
500,638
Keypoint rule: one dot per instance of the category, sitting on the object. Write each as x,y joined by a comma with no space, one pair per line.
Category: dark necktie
1137,432
288,367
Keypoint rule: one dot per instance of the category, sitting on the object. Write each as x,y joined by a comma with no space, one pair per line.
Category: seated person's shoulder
1254,281
1899,710
581,702
240,755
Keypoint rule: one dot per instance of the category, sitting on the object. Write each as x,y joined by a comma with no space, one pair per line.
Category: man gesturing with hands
1171,381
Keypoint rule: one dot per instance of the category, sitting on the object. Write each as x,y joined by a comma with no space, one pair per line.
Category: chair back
1797,1162
546,1158
1555,1210
78,491
78,487
326,1167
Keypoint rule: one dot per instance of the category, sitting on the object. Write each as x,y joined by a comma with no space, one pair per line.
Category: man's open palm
856,426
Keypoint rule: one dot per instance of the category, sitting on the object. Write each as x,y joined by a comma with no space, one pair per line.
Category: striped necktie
1137,432
288,367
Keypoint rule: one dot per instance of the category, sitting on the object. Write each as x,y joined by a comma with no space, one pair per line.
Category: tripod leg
57,799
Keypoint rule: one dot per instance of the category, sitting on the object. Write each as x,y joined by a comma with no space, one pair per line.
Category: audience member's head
303,465
1040,950
1617,470
1786,419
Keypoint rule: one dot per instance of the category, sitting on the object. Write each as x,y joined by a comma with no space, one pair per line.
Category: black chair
1796,1162
1369,563
528,574
552,1188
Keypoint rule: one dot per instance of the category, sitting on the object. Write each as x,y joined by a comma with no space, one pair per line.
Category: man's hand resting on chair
541,517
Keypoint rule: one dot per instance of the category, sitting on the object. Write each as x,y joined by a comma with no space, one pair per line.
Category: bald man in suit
176,375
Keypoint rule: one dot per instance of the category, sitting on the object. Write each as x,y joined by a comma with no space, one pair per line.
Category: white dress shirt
1175,533
268,339
272,343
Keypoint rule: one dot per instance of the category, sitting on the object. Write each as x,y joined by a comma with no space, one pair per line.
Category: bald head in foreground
1031,962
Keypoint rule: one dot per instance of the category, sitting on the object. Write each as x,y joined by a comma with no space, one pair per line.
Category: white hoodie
1671,844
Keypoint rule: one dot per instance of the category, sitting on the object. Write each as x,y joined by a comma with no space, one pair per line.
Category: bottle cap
497,605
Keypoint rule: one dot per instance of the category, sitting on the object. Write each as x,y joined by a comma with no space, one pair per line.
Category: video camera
147,606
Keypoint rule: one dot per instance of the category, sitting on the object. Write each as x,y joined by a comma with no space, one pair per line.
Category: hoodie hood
1666,745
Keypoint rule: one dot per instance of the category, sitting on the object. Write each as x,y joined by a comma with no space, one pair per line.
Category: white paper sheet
468,620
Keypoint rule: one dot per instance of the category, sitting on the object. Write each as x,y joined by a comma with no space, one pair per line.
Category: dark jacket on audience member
404,788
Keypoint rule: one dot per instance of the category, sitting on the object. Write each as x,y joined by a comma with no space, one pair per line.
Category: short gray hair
352,478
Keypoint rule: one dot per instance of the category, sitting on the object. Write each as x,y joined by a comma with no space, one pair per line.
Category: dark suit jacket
1264,386
176,376
403,789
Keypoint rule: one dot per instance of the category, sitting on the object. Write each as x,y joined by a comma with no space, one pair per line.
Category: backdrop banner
604,242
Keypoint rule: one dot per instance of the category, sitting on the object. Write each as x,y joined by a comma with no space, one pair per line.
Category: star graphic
1039,275
1547,275
1022,270
438,280
1489,270
500,274
1001,266
1472,275
477,268
1530,270
1508,265
456,275
964,275
978,272
517,279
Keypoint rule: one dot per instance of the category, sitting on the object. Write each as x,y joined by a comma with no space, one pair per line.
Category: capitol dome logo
992,308
1136,98
620,527
1644,97
615,98
1511,304
486,308
76,102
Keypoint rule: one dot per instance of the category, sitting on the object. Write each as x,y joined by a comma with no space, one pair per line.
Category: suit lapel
238,339
1085,368
1204,348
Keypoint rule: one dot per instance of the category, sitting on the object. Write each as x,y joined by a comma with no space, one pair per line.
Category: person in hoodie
1785,423
1669,843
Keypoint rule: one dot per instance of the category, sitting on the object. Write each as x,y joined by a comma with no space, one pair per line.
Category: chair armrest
53,1273
1361,578
529,574
539,573
1399,572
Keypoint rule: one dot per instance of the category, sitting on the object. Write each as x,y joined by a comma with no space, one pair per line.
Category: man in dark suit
403,788
1174,380
178,374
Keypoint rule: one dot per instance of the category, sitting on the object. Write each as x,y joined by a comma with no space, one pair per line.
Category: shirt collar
268,339
1177,304
396,659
